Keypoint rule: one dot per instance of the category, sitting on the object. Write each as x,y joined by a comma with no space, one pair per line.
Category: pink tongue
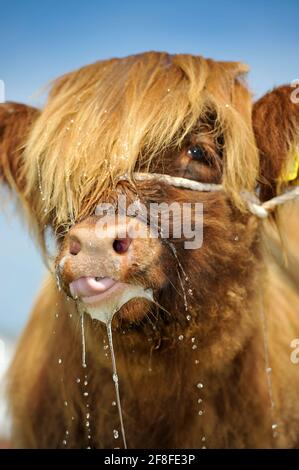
88,286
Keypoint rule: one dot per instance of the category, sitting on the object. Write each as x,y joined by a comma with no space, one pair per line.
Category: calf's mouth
102,297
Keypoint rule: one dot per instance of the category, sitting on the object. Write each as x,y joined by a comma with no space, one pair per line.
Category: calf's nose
86,241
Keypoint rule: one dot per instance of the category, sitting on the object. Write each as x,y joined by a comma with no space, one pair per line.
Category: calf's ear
16,121
276,127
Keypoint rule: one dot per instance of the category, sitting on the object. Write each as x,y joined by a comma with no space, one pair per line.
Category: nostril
121,245
75,247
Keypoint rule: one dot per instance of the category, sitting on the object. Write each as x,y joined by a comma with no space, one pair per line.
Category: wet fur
236,276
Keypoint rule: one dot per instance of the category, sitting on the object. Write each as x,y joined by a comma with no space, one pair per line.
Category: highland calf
205,360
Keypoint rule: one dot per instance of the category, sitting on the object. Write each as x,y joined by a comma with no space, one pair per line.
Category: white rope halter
261,210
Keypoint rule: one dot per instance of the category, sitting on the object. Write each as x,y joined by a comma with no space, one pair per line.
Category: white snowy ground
6,352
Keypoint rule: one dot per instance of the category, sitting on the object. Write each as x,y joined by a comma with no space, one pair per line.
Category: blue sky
40,40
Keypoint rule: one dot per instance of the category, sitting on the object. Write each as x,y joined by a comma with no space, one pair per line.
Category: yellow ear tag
292,173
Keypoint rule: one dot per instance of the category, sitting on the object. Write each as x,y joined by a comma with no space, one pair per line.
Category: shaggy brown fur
15,121
277,117
145,112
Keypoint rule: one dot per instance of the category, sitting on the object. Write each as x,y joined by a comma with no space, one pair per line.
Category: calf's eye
199,154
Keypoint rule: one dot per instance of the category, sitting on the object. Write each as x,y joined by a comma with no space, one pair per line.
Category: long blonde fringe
113,117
